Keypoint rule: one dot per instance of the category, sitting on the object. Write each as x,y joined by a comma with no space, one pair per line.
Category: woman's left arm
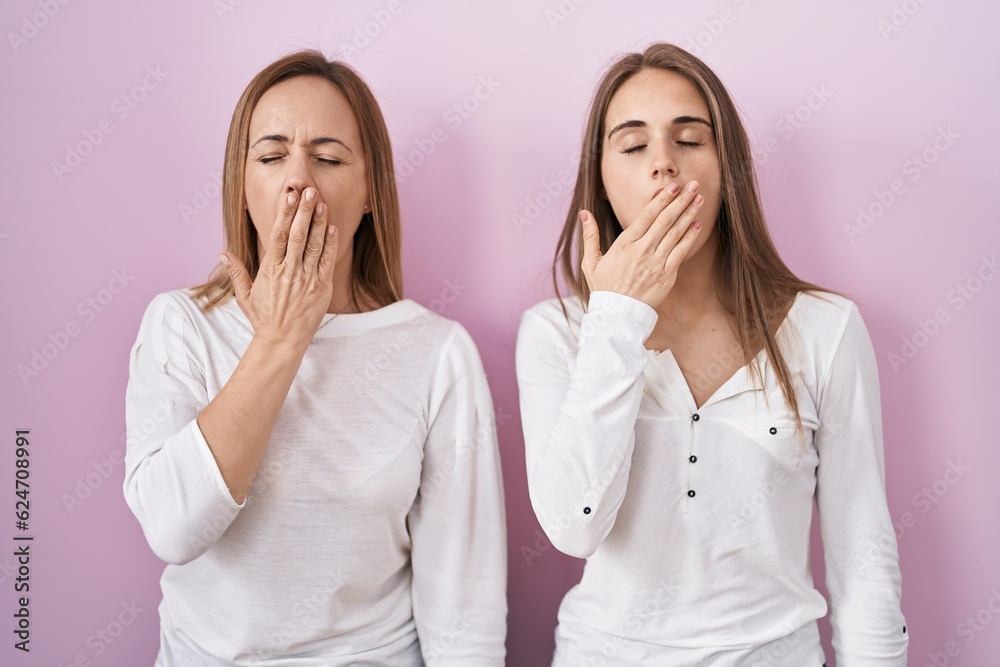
457,524
862,563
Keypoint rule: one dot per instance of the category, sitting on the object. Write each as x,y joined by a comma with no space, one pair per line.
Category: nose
662,162
298,175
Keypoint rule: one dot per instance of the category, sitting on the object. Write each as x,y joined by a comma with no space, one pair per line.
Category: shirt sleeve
457,524
579,425
862,564
172,482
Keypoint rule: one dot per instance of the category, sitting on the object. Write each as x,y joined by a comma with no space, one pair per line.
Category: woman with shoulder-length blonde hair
314,455
683,408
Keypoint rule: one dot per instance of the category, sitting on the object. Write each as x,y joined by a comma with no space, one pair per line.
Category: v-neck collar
665,378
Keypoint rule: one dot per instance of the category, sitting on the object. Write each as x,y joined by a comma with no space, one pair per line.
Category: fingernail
673,188
698,199
583,217
320,208
292,197
310,194
331,230
696,225
693,186
224,259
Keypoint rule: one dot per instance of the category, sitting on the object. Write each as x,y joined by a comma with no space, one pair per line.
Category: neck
694,292
340,302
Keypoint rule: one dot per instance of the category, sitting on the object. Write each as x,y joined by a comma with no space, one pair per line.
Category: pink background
878,99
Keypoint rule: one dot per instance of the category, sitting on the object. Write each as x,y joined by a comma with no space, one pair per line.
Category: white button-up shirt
695,521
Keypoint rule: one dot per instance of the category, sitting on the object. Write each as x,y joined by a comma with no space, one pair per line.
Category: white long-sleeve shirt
695,522
374,532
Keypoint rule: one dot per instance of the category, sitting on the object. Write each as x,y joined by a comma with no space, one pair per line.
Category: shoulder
448,341
824,318
830,331
176,305
552,309
557,320
451,359
174,322
165,333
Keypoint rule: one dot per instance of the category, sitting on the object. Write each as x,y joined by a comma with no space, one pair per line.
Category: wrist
286,349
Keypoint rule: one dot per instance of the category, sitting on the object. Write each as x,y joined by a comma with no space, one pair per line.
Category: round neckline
347,323
371,319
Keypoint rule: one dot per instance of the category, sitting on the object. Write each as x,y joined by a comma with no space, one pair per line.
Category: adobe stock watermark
555,524
466,449
202,197
899,16
392,350
764,491
713,28
100,471
455,116
957,298
210,530
8,568
915,167
562,12
104,637
121,107
548,192
792,122
316,601
930,495
32,23
969,629
884,547
87,311
608,645
224,8
775,653
460,624
365,34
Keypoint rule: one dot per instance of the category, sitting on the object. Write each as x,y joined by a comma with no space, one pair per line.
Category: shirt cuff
207,462
619,312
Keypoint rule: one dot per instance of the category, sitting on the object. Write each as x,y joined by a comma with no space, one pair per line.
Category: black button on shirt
692,458
691,493
695,416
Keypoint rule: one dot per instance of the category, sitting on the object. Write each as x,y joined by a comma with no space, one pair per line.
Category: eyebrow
680,120
314,142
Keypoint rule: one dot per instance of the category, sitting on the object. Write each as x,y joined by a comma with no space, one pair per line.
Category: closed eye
636,149
269,160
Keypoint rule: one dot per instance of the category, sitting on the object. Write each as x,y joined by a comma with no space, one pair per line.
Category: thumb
238,276
591,242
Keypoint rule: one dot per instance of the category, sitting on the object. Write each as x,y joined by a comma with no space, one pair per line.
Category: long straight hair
376,261
752,281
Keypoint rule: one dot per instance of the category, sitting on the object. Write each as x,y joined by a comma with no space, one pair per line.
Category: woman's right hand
286,301
644,259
